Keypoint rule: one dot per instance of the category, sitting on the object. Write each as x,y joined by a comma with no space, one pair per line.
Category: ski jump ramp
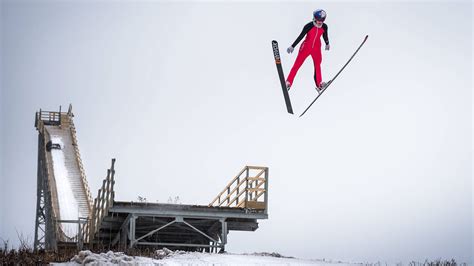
66,214
64,202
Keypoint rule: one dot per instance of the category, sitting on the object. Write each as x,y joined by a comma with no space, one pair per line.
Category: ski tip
366,36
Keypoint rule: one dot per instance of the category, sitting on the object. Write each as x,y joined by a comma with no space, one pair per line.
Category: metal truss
44,228
128,231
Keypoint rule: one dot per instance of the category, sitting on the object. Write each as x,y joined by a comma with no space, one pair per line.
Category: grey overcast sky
185,94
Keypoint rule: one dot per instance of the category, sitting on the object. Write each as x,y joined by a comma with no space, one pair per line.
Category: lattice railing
249,189
103,202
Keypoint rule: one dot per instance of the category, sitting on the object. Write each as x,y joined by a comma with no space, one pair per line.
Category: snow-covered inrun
168,257
68,207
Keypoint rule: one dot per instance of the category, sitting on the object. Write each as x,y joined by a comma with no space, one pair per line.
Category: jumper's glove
290,49
327,47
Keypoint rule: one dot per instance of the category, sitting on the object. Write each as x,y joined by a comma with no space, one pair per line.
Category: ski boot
322,86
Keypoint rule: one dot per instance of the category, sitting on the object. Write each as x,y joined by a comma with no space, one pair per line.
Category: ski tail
276,54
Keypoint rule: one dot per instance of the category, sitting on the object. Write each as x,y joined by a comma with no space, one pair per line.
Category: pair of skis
289,108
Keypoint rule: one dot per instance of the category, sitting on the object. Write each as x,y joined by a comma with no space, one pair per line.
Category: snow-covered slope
71,194
68,208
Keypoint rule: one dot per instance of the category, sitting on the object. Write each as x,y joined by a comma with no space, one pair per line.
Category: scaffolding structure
108,223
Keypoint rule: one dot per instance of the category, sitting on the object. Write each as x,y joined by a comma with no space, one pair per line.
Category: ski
276,54
332,80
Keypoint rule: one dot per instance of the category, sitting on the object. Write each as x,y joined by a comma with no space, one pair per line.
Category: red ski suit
310,46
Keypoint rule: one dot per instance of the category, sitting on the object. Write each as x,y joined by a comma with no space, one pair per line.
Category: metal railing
249,190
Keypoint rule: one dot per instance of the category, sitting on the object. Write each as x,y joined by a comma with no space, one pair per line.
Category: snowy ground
166,257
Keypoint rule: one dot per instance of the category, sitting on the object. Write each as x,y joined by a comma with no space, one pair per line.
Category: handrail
85,228
103,202
78,158
48,117
232,181
243,191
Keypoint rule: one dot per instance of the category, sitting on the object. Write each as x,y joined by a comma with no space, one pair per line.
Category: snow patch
168,257
87,257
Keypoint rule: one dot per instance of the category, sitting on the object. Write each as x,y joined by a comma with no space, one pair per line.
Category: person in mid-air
311,46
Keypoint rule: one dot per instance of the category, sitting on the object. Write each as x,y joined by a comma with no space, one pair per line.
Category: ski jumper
310,46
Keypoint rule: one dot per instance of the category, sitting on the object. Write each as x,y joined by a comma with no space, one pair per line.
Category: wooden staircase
248,190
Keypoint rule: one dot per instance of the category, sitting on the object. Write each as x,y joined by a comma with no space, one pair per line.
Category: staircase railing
249,190
103,202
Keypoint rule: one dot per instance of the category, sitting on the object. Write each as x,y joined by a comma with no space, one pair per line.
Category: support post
123,237
40,215
132,231
266,191
44,227
79,234
247,174
224,234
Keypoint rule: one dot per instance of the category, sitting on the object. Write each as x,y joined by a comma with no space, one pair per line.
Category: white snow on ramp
68,207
